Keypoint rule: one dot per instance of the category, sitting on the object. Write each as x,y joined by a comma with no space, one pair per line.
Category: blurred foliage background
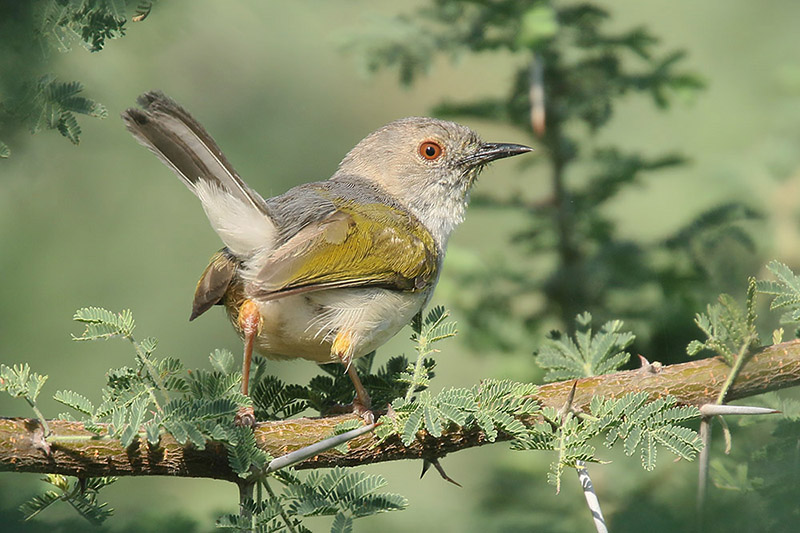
286,90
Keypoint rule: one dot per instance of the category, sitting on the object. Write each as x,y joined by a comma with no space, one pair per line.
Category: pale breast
304,325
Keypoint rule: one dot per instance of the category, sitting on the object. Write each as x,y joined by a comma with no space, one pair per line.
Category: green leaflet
492,406
341,491
640,424
785,291
587,354
103,324
729,329
20,382
83,498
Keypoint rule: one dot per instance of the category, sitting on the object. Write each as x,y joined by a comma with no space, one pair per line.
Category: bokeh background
106,224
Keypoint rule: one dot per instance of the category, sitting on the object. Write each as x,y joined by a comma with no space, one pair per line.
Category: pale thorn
648,367
318,447
567,407
713,409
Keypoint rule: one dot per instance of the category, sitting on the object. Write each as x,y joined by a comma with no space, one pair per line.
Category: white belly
305,325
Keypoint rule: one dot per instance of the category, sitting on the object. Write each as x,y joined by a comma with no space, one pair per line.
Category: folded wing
371,245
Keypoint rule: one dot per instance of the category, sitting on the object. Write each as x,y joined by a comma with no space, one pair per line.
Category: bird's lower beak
491,151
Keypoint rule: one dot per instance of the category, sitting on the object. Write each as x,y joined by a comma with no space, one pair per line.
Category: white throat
440,216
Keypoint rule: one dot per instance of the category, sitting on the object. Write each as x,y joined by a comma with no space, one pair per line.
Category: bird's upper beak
491,151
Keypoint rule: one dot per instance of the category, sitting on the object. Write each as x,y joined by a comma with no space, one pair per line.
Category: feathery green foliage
275,400
785,291
51,104
639,423
140,403
340,490
81,494
344,494
103,324
427,332
730,331
585,354
38,101
492,406
20,382
631,419
90,22
335,388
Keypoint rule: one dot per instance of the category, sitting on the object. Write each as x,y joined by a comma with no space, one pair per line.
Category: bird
330,270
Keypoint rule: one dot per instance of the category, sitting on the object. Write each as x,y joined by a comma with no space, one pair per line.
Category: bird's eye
430,150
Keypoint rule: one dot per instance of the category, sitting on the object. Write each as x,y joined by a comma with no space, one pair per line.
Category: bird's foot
356,408
245,417
364,412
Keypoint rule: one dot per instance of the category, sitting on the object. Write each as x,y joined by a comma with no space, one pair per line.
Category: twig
741,358
39,416
245,499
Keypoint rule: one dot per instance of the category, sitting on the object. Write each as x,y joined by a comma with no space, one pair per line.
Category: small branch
694,383
741,359
40,417
245,498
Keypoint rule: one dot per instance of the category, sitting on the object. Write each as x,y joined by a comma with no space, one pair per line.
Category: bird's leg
341,348
250,324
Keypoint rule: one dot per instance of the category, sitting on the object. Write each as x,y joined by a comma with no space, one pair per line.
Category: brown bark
22,448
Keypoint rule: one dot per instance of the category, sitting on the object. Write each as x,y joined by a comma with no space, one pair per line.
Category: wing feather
370,245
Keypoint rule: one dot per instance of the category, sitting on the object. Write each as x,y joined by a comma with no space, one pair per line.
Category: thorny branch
73,452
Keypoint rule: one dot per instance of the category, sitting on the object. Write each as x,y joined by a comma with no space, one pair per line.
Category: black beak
491,151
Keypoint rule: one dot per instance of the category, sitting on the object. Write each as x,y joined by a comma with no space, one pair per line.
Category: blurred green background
106,224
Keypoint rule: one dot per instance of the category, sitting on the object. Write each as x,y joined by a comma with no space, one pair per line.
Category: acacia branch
71,452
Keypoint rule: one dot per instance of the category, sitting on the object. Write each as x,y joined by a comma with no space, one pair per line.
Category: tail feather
236,212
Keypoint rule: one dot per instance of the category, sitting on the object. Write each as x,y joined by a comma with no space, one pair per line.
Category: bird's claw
364,412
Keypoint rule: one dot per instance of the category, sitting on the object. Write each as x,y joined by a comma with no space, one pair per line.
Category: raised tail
237,213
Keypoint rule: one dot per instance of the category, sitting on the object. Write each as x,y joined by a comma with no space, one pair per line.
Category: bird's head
426,164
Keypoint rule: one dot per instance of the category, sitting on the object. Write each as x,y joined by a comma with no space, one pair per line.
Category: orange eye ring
430,150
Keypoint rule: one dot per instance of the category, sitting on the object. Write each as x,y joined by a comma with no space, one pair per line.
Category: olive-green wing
370,245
